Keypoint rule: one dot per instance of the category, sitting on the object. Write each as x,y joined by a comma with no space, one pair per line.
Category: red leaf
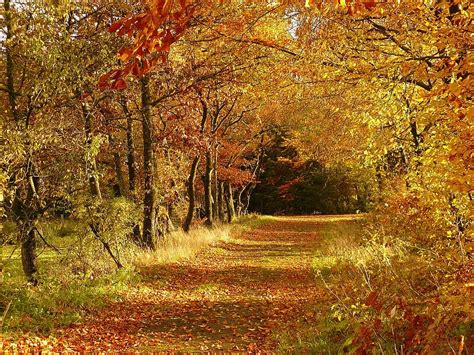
136,68
119,84
146,66
372,301
124,53
115,26
104,80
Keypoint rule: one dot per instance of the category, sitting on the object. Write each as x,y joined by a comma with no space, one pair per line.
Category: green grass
53,304
63,296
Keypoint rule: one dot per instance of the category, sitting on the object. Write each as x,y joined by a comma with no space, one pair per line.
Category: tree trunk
240,205
248,194
215,188
119,175
136,234
24,212
191,194
21,209
208,190
130,148
148,168
170,208
220,201
229,199
28,253
91,165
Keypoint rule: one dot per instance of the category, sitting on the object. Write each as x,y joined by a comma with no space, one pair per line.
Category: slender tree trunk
191,194
170,209
220,201
418,148
215,187
136,234
23,212
27,237
119,187
119,174
239,201
247,198
148,168
91,165
208,190
169,206
130,148
208,170
229,199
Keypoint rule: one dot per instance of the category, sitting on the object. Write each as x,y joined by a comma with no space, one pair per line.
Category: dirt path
236,296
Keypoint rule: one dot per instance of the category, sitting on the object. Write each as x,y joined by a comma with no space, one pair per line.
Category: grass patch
252,221
63,296
340,244
180,246
54,303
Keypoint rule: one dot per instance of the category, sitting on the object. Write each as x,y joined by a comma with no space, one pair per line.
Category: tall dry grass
180,246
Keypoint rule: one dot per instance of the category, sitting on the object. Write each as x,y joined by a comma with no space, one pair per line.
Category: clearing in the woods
246,293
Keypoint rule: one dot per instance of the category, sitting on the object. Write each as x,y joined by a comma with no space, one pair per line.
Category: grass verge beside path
339,243
66,294
380,295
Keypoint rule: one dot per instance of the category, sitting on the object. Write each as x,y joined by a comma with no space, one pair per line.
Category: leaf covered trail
234,296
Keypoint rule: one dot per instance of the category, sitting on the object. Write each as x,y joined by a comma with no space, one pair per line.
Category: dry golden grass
179,245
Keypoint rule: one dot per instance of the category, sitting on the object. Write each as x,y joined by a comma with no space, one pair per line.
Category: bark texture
148,168
191,194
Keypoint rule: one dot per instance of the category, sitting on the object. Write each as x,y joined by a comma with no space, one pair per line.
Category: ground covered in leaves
238,295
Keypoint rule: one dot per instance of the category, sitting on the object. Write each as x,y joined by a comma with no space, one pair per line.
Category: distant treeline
289,184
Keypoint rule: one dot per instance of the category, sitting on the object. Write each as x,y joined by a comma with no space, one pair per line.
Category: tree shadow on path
232,297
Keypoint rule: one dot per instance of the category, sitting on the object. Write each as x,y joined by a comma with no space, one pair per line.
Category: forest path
234,296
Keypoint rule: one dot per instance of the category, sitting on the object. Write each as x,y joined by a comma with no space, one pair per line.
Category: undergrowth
384,295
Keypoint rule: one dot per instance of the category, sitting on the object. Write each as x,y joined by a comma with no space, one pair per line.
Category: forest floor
247,293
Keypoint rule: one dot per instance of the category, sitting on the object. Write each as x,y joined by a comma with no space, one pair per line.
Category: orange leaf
124,54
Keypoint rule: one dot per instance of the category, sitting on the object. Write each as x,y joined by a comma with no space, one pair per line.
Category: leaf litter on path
233,297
